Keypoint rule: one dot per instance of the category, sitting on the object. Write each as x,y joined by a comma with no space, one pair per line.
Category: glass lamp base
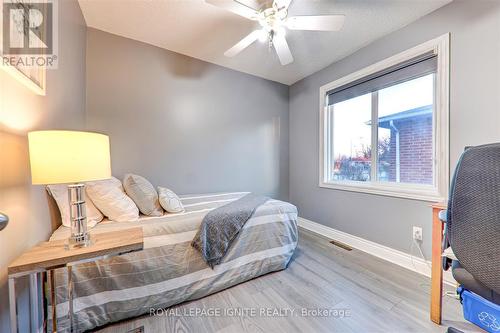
77,243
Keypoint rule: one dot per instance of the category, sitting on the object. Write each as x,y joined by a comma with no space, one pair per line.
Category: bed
169,270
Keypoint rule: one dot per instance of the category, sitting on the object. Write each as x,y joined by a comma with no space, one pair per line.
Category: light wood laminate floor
380,296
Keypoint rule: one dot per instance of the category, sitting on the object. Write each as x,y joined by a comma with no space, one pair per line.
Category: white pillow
169,200
143,193
109,197
60,194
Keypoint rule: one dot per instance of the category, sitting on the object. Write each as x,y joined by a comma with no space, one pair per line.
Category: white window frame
439,189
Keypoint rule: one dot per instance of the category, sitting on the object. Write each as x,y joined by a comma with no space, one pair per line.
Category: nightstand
48,256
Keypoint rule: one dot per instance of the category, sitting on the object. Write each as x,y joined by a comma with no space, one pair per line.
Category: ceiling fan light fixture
263,35
274,22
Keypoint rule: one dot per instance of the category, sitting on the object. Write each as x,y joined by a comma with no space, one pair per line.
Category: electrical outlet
417,233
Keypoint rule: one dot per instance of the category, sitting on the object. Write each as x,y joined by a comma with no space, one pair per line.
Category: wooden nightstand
48,256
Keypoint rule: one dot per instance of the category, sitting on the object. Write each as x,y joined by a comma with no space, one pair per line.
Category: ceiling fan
274,21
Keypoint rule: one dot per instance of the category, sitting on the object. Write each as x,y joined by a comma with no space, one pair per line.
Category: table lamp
72,157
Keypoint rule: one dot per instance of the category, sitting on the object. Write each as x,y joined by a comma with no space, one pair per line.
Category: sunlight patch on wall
19,107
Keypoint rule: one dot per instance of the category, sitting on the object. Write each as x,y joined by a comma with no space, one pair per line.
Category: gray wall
474,119
21,111
186,124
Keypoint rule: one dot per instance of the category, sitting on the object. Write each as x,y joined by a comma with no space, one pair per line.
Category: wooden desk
48,256
437,270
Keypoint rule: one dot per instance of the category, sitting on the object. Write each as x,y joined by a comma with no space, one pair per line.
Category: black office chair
473,231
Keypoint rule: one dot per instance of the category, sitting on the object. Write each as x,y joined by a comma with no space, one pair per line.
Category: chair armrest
446,261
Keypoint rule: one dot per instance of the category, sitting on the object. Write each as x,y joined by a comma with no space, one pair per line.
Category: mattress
169,270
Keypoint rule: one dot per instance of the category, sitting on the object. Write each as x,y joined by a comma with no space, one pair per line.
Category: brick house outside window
409,138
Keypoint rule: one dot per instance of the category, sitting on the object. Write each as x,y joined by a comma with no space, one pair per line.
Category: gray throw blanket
220,227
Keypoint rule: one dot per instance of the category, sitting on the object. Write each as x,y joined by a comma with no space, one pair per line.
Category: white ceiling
205,32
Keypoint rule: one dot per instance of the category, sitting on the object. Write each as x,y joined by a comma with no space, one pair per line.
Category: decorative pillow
109,197
60,194
143,193
169,200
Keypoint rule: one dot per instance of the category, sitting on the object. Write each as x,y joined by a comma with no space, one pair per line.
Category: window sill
414,192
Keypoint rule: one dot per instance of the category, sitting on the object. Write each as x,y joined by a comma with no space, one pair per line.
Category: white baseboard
397,257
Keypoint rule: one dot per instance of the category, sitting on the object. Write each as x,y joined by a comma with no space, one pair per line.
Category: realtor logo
29,32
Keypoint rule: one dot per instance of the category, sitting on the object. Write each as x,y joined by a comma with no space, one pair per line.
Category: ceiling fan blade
316,23
282,4
243,44
235,7
282,49
254,4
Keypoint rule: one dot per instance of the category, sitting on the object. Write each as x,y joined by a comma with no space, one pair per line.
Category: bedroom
358,230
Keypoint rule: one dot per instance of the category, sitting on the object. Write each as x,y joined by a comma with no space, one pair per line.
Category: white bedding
196,205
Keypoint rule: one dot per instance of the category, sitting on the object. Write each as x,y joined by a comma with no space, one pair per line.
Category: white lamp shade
58,157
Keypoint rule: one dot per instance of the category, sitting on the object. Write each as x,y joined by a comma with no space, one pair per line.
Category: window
385,128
